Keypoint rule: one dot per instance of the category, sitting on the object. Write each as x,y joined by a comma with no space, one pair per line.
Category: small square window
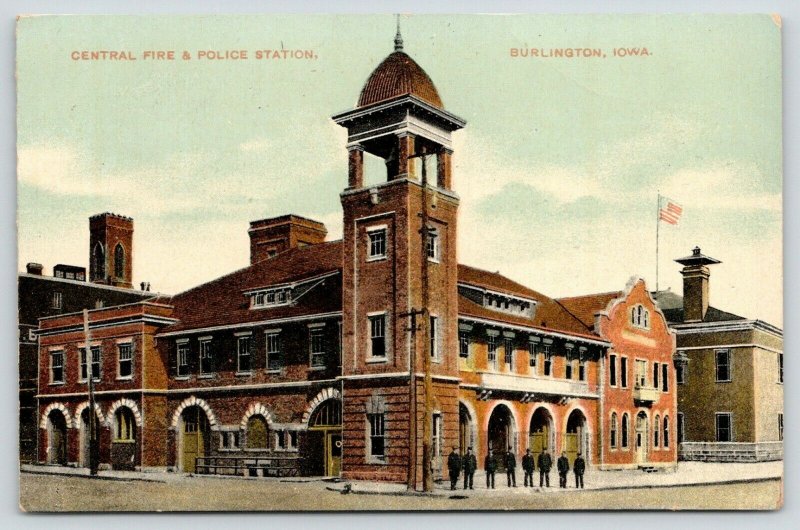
57,300
57,367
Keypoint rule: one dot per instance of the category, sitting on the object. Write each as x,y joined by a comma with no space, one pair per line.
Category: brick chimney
34,268
269,237
695,285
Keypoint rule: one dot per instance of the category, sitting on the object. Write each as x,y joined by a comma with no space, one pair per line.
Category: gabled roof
222,301
584,307
549,313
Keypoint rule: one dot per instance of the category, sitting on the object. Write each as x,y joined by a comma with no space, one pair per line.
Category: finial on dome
398,39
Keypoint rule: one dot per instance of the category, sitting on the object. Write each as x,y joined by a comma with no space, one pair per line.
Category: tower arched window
119,261
666,431
99,261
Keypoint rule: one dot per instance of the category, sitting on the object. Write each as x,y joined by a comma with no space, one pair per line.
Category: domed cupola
399,117
399,75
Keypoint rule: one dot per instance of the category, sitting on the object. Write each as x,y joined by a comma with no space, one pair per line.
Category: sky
558,168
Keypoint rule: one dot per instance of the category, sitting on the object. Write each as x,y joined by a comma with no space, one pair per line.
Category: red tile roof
398,75
222,301
584,307
549,314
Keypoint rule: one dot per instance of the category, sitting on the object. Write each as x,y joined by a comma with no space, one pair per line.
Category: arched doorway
56,438
84,440
466,434
575,439
195,437
324,442
502,433
641,437
541,431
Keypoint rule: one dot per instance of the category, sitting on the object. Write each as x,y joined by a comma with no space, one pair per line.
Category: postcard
412,262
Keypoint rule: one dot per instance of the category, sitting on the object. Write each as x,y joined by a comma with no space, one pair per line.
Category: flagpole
658,222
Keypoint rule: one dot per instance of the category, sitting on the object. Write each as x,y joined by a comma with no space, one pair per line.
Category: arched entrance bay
466,430
540,435
502,433
56,438
324,443
575,439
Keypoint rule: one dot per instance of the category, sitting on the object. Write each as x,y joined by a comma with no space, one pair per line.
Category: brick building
319,357
730,374
66,291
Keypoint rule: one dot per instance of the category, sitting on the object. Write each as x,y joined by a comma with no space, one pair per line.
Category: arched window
125,425
99,260
639,310
646,319
119,261
625,431
613,430
257,437
656,430
666,431
328,414
633,315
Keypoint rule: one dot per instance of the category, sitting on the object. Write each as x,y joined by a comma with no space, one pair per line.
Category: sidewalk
687,474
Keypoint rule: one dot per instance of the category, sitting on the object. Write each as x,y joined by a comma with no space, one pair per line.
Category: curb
558,490
95,477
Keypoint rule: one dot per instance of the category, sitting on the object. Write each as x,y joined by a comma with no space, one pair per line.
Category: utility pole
412,400
427,426
89,356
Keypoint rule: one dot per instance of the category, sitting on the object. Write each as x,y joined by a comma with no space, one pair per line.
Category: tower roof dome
399,75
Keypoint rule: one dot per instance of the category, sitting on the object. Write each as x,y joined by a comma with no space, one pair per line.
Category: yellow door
571,446
538,441
193,443
333,454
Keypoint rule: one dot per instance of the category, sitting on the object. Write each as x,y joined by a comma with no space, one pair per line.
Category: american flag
669,211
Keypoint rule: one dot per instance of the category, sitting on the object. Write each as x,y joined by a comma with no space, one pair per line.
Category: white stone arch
541,405
514,422
52,406
324,395
552,441
475,432
124,402
572,409
192,401
256,409
76,419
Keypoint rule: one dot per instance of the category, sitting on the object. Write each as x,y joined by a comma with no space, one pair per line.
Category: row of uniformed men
468,463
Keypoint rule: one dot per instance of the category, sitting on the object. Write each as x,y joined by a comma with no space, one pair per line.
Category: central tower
400,268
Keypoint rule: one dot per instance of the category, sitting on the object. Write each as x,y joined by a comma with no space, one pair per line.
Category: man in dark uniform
490,466
545,462
470,465
454,467
563,469
511,467
527,466
579,467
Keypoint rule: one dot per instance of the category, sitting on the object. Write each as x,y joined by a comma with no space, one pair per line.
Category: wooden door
641,439
571,446
194,439
537,442
58,439
333,454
